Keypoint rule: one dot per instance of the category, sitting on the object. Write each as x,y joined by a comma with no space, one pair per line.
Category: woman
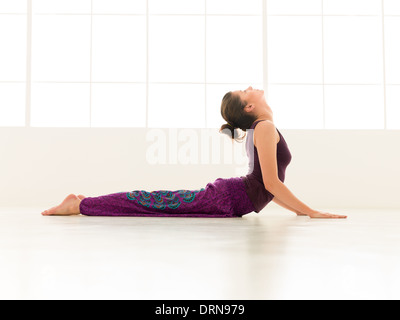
233,197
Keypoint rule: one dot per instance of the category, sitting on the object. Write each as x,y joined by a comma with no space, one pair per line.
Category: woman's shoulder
265,130
264,123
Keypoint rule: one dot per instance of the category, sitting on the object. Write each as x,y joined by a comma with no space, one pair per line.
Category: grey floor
274,255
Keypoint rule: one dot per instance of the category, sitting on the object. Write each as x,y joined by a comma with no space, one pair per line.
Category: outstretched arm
265,138
283,205
285,198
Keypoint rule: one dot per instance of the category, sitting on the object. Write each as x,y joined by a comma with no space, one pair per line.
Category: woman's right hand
323,215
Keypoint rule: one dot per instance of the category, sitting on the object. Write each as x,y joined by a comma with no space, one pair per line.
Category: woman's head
240,109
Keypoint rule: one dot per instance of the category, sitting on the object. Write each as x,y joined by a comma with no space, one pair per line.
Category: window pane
118,105
354,107
176,6
12,104
234,50
352,7
297,106
393,107
294,7
234,7
353,50
119,49
295,50
119,6
13,44
60,105
392,7
177,49
61,48
176,106
13,6
392,49
62,6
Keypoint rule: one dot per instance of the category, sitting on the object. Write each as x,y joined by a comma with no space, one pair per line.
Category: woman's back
255,188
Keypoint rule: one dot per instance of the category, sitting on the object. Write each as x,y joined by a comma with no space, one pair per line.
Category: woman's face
251,96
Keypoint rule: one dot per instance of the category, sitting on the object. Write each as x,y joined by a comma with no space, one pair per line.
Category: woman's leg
222,199
138,203
209,202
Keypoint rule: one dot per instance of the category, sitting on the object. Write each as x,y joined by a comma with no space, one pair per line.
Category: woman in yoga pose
269,156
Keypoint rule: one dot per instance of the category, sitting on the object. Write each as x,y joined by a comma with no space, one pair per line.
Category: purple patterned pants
225,198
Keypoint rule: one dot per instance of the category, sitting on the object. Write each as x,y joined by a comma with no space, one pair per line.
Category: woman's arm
265,138
286,197
283,205
285,193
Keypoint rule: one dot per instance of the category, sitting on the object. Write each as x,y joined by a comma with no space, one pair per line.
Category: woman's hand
322,215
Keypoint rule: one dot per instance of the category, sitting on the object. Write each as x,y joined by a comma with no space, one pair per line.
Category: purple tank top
255,188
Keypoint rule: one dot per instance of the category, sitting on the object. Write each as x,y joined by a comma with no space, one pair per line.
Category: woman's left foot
69,207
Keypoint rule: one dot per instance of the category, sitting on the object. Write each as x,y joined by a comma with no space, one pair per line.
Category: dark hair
232,110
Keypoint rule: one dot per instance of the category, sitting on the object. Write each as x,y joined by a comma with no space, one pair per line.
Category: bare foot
69,207
81,197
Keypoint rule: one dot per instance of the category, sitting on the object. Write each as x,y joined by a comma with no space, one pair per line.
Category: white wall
40,166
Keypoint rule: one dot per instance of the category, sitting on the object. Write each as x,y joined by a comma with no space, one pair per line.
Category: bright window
324,64
13,43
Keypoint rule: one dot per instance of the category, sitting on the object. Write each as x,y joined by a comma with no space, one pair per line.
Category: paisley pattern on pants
163,199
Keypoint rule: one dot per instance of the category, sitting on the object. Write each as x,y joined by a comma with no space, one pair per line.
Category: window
392,60
140,63
325,64
197,54
13,16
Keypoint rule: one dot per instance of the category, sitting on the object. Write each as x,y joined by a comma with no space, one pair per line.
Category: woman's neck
268,115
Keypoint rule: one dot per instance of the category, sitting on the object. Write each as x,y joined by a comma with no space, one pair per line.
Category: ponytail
232,110
231,132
